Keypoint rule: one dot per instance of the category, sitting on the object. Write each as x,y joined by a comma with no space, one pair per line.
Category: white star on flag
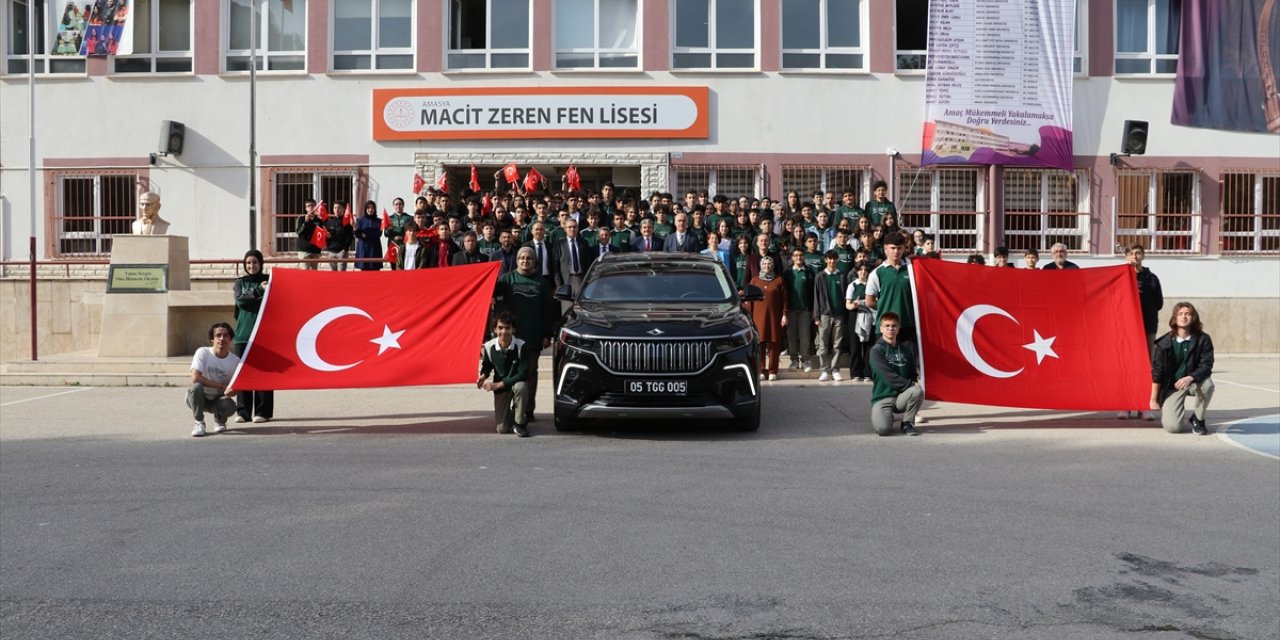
389,340
1042,346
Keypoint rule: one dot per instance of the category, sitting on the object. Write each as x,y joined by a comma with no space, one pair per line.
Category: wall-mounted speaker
173,135
1135,138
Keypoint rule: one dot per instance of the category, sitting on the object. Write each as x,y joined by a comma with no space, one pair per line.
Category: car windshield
692,285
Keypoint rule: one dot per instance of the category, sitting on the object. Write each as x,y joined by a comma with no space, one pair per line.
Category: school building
753,97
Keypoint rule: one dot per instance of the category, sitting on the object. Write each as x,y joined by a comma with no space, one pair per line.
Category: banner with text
998,83
540,112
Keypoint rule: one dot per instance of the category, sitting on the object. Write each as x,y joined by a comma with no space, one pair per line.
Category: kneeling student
211,371
1180,366
893,372
506,357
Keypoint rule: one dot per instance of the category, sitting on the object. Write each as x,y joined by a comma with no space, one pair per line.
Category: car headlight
735,341
576,341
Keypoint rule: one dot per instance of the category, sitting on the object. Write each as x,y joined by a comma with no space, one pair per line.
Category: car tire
749,423
565,423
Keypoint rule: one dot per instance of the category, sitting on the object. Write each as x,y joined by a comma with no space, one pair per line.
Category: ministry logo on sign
399,114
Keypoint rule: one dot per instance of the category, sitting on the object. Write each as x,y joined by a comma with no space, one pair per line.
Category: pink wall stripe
430,36
770,35
543,24
317,36
657,35
207,47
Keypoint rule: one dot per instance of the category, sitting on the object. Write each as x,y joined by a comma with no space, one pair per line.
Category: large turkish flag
347,329
1030,338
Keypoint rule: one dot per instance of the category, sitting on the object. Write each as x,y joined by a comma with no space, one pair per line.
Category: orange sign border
699,129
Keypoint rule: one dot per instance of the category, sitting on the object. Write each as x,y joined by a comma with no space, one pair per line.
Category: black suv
657,336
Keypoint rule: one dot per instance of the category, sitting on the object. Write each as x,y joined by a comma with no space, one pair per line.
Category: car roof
654,260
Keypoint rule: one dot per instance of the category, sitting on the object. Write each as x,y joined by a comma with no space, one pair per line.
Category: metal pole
253,126
32,25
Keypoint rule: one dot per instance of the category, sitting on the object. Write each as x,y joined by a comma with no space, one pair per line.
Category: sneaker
240,418
198,430
773,376
522,431
808,368
909,429
835,375
219,427
1123,415
763,376
824,377
1198,427
1148,416
921,419
795,365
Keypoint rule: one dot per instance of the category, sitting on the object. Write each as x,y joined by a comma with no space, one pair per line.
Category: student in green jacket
506,358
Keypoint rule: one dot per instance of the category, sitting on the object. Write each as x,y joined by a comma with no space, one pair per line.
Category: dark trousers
859,358
253,403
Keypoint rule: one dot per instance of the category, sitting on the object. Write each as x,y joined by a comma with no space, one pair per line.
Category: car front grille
656,356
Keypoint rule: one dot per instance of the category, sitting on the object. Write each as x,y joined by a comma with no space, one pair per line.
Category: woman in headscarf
369,238
249,290
770,315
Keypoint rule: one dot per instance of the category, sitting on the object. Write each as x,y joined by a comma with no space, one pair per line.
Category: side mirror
752,293
565,292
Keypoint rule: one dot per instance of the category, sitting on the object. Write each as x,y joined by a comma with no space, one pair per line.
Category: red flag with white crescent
511,172
475,179
1038,339
322,211
532,180
418,183
386,221
327,330
320,236
572,179
442,181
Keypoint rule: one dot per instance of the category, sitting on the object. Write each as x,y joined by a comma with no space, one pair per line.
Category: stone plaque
138,278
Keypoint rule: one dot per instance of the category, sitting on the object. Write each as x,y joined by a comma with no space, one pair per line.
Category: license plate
657,387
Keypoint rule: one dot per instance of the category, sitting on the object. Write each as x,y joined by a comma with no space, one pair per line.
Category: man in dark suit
682,240
544,255
573,256
646,241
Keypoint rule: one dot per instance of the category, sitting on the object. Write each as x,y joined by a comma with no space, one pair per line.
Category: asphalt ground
398,513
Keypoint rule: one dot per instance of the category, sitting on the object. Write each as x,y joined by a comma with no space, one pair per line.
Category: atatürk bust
149,222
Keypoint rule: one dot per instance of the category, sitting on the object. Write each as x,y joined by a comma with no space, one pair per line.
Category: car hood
642,320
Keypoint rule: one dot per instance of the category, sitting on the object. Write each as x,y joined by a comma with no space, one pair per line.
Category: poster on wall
108,31
1230,57
70,31
998,83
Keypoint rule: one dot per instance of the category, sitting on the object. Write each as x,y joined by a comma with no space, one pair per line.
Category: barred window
1043,207
947,203
293,186
806,179
1158,209
729,180
1251,212
89,207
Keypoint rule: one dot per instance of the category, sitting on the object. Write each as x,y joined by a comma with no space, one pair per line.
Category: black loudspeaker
1135,138
173,134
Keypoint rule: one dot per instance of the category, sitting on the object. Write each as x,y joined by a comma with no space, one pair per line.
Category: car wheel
565,423
749,423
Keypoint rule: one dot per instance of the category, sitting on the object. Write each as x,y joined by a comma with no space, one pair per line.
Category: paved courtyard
397,513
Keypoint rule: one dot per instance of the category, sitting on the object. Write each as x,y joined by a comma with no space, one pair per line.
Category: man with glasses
211,371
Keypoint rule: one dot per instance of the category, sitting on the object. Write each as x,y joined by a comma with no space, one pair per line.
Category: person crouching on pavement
893,372
211,371
1181,366
506,357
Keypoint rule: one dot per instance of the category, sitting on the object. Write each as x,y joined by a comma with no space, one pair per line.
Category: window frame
711,49
99,235
713,178
157,55
1047,235
1079,54
289,236
824,181
1263,224
935,226
43,60
824,50
597,51
265,55
1152,58
374,52
488,52
1152,226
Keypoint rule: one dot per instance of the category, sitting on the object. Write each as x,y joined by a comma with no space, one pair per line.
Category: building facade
803,95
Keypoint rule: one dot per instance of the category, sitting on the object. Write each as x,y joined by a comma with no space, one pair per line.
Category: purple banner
1227,68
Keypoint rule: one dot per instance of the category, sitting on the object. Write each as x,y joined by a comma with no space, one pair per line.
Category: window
806,179
946,203
1081,37
822,34
89,208
1147,33
161,38
60,57
729,180
1160,209
912,22
714,34
291,187
285,24
1251,212
372,34
1046,206
489,34
597,34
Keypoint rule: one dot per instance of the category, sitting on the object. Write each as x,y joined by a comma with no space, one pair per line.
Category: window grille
947,203
292,187
1043,207
90,207
806,179
1158,209
1250,212
728,180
